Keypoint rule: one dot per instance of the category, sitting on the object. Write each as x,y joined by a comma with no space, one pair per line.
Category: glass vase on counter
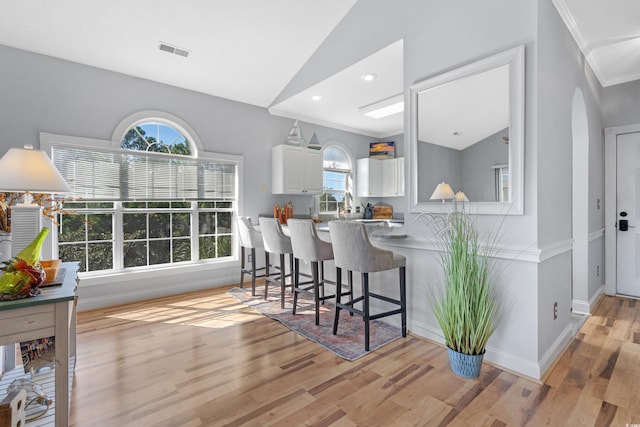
283,213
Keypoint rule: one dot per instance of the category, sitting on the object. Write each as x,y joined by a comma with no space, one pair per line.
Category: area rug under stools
348,343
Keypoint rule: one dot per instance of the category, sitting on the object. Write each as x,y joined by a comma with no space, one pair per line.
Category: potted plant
466,306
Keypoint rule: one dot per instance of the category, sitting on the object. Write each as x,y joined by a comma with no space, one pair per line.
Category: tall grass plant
466,306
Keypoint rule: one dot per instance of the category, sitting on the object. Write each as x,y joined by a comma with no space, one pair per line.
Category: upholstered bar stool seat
308,246
251,239
354,252
276,243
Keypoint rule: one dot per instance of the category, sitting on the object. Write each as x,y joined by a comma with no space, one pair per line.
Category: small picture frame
382,150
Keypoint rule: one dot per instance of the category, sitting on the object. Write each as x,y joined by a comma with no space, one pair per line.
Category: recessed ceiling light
316,97
369,77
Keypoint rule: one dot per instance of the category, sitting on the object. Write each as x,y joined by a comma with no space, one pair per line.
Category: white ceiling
249,50
244,50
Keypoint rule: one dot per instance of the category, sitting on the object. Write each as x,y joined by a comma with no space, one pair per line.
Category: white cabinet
296,170
380,178
368,177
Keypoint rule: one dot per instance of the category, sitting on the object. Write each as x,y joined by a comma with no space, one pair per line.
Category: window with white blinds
107,174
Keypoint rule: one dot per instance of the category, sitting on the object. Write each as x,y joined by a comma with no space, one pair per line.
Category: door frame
610,208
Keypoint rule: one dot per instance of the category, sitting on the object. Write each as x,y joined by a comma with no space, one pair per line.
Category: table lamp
29,171
442,192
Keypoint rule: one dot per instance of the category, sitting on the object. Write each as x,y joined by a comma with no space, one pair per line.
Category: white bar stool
250,238
277,243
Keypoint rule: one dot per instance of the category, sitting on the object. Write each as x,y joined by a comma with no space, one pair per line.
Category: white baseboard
495,357
556,349
584,307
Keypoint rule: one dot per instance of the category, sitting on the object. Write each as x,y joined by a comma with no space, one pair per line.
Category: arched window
156,137
145,198
338,183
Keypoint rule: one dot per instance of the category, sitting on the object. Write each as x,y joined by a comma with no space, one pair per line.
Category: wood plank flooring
203,359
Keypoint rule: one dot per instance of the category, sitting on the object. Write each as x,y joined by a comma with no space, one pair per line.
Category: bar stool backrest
249,236
275,241
306,243
353,251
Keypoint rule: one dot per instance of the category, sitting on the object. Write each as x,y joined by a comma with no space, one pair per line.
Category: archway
580,204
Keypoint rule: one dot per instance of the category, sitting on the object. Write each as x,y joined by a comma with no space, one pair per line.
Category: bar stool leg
403,300
316,290
296,283
365,308
282,280
266,274
350,283
253,270
242,267
338,293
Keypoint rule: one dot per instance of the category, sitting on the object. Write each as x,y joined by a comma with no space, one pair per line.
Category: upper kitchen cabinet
296,170
380,178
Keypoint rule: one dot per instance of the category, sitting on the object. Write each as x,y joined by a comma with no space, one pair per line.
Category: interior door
628,214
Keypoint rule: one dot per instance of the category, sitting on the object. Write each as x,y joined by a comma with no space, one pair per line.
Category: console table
52,313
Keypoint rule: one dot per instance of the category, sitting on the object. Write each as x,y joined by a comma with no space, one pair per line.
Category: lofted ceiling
249,50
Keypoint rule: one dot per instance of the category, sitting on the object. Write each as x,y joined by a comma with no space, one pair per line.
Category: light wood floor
203,359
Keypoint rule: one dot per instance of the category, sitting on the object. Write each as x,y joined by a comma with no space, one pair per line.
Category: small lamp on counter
25,170
443,192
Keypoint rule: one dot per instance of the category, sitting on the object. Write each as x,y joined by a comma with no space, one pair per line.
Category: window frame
50,248
348,192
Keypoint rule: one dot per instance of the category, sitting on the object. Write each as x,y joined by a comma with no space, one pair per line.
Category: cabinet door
369,177
296,170
313,172
400,176
389,177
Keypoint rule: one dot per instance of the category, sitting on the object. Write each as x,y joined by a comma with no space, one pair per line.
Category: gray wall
621,104
478,174
438,164
44,94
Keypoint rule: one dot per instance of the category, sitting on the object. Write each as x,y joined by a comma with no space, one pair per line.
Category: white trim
508,252
515,57
584,307
100,290
595,235
556,349
492,355
610,195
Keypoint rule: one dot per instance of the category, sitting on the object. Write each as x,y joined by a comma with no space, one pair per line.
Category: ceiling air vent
173,49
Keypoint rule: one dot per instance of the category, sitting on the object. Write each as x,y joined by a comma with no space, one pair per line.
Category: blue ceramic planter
465,365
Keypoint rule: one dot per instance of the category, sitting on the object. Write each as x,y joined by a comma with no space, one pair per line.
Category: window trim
350,172
160,116
49,250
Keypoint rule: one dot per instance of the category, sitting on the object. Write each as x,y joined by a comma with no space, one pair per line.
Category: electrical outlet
597,271
555,310
249,259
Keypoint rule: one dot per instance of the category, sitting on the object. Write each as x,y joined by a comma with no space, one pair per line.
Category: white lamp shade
443,192
461,197
29,170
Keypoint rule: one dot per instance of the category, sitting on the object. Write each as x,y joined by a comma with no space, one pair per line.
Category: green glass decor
23,274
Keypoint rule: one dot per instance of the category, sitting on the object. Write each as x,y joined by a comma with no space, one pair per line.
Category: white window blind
102,174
